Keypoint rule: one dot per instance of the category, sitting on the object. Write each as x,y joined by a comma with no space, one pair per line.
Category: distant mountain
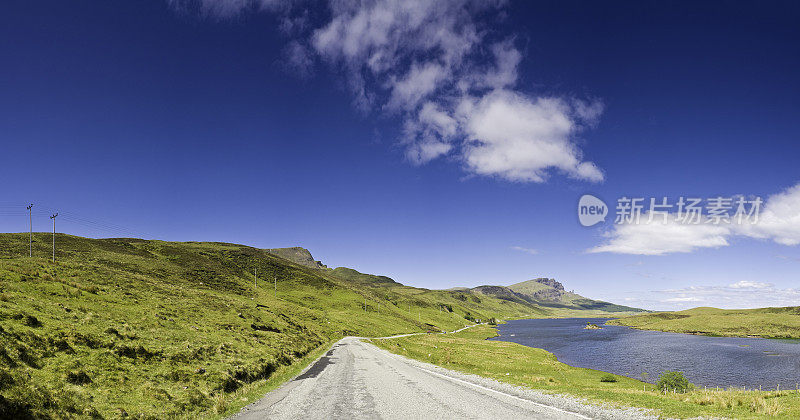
550,293
539,293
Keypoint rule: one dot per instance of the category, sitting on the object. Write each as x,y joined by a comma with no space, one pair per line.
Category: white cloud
507,57
418,83
779,221
743,294
433,116
683,299
424,60
520,138
658,238
746,284
429,135
525,250
425,151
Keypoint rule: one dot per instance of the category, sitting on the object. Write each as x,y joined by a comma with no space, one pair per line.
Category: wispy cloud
525,250
743,294
683,299
445,70
745,284
779,221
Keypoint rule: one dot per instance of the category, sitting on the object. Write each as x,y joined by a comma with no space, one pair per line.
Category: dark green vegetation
764,322
670,381
608,378
128,327
469,351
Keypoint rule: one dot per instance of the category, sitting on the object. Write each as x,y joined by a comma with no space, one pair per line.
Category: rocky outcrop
553,295
550,282
297,255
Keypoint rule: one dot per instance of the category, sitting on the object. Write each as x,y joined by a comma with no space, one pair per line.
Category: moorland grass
153,329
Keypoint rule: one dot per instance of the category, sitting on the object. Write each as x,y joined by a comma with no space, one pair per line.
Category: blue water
706,361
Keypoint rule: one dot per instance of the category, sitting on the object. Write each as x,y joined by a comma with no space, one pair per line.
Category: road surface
356,380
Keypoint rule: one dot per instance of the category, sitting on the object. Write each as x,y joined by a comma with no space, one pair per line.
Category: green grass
157,329
764,322
470,352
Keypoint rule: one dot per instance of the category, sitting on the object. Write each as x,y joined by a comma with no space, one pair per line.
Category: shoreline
474,352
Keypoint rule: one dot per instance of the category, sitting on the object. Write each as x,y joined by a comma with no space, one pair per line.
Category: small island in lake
590,326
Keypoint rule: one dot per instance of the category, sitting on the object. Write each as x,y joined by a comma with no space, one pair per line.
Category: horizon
453,159
315,257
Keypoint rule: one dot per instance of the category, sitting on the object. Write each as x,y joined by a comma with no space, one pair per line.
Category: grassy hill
764,322
153,329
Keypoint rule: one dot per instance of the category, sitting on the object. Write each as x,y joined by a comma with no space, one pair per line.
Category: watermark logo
685,210
591,210
689,210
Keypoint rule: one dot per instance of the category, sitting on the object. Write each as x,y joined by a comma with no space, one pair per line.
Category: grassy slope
765,322
158,329
470,352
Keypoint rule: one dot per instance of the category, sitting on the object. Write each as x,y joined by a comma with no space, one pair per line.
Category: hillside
353,276
550,294
763,322
163,329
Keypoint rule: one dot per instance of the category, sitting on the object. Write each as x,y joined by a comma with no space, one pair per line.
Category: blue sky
437,145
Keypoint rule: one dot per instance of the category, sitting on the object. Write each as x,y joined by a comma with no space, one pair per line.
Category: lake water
706,361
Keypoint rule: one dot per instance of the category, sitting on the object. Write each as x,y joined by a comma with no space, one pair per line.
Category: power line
9,209
94,224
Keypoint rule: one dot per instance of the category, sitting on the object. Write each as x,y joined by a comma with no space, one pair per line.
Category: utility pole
30,237
54,235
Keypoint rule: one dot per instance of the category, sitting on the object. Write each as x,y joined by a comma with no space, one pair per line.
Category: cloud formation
744,294
442,69
525,250
779,221
519,139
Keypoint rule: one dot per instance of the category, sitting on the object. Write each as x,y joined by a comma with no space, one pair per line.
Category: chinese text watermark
684,210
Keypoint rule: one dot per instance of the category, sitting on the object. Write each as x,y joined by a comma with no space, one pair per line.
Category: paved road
356,380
